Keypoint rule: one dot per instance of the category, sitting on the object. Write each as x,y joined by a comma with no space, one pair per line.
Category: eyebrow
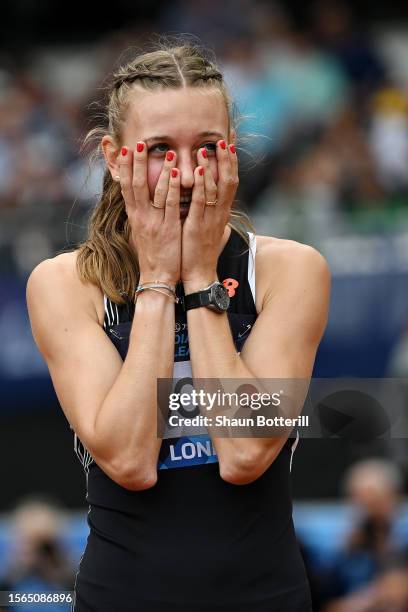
200,135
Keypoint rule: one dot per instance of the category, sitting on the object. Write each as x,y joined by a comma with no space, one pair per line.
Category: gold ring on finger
212,203
155,205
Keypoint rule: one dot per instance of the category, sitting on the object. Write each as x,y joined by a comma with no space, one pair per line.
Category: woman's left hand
204,225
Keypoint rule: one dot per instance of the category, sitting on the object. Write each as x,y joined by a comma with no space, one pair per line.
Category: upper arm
82,362
288,330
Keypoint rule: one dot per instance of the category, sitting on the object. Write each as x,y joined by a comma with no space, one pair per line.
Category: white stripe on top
251,263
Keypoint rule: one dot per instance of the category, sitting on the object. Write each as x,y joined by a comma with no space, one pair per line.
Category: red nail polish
201,171
124,151
174,172
232,148
139,147
223,144
204,153
169,155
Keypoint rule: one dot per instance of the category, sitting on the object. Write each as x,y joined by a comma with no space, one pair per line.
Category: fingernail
204,153
140,147
124,151
201,171
169,155
174,172
232,148
223,144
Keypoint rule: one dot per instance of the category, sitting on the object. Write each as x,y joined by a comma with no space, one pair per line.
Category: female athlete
170,284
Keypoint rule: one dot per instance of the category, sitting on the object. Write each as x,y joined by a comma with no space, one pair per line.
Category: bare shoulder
56,280
286,252
284,262
56,273
62,267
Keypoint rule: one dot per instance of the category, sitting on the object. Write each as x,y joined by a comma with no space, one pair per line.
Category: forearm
212,350
213,355
126,424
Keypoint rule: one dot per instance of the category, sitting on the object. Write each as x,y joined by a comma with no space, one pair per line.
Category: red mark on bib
231,284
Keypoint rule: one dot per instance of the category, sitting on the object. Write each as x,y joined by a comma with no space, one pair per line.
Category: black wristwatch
215,296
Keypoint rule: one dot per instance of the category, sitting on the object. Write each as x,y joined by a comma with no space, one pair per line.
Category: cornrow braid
135,73
210,73
131,73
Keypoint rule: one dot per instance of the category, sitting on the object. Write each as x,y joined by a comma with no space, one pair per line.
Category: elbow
130,470
243,469
138,478
133,475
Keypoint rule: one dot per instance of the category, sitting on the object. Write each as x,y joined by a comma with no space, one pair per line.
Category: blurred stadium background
325,88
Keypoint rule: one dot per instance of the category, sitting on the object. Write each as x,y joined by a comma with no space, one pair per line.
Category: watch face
220,297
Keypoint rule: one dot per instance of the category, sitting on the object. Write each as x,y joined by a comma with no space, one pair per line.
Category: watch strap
198,299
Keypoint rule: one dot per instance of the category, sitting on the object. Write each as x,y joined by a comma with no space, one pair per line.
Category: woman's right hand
155,232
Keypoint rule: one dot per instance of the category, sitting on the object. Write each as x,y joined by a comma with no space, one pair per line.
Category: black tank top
193,541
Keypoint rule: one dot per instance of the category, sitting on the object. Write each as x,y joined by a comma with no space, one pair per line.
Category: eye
210,146
161,147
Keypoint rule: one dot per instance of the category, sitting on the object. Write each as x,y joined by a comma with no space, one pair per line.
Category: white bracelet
155,287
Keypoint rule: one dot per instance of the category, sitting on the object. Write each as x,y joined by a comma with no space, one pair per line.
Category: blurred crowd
322,108
368,572
38,560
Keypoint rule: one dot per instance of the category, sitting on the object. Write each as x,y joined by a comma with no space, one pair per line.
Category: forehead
176,111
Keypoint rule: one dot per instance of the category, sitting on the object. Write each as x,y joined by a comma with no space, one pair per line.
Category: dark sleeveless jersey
193,542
